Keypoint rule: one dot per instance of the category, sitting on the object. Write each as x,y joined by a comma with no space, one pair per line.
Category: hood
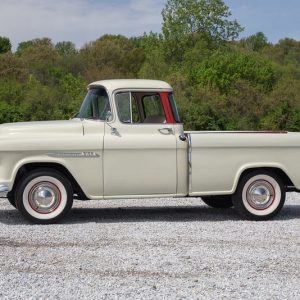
40,128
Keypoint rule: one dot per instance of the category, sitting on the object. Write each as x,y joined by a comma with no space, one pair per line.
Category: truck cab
141,143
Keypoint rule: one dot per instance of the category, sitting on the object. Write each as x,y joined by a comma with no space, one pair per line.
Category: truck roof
115,84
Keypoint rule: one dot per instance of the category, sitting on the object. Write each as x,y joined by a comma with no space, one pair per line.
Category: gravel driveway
151,249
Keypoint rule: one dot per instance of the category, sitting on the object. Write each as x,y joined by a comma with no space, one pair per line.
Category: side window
153,109
127,108
123,105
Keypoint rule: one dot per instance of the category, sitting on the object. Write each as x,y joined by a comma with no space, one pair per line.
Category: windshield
95,105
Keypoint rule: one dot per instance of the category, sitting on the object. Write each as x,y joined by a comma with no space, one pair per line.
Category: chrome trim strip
62,154
3,190
190,161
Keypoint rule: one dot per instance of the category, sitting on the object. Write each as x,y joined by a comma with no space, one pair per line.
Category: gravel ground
151,249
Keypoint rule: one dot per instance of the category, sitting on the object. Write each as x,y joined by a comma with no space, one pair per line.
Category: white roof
115,84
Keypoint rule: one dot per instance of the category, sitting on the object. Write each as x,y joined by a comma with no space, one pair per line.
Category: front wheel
260,195
44,196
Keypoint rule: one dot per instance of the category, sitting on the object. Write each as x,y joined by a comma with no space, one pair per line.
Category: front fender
10,167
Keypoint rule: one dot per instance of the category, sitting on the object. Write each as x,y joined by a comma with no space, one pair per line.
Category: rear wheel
44,196
260,195
218,201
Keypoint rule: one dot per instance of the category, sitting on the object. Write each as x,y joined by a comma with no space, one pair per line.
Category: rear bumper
3,190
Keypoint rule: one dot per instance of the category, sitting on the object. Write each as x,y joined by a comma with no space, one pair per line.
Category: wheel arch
287,182
31,166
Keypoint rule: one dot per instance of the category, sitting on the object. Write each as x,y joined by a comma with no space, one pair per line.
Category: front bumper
3,191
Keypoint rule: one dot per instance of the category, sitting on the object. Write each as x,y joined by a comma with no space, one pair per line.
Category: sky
82,21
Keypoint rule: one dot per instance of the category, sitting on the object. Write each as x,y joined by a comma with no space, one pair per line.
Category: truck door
139,148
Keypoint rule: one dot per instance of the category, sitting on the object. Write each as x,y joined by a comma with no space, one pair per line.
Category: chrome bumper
3,191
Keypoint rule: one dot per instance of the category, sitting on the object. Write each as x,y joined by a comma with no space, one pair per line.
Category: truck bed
217,159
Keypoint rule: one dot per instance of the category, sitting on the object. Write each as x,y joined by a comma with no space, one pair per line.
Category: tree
12,66
5,45
222,69
285,52
154,65
73,89
184,21
148,42
255,42
43,42
23,46
65,48
115,54
40,58
282,106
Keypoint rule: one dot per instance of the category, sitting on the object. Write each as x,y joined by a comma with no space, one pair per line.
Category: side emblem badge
86,154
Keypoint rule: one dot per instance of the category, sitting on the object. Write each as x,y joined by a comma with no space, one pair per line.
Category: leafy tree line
220,83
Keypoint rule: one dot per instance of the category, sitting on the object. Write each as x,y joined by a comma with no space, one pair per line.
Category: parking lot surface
151,249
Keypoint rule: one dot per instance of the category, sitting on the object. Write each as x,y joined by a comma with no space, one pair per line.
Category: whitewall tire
44,196
260,195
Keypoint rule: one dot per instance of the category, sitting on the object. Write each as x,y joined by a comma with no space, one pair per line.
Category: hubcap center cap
44,197
260,194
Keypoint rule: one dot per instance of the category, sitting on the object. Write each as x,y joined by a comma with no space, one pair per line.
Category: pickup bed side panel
218,159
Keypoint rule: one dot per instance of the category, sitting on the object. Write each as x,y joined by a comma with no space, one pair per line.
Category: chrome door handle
166,131
114,130
183,137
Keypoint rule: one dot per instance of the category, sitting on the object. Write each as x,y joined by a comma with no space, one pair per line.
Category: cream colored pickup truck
127,141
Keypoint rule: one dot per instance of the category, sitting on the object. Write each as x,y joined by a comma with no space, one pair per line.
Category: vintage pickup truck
127,141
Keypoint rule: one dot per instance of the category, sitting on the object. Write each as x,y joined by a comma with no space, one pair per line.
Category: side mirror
108,118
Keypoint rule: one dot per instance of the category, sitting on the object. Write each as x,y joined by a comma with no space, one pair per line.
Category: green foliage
111,57
5,45
65,48
185,20
282,106
73,90
11,113
219,84
11,66
39,57
221,70
11,98
255,42
286,52
28,45
282,117
39,104
23,46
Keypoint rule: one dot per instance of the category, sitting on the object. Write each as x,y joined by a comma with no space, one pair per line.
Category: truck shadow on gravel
149,214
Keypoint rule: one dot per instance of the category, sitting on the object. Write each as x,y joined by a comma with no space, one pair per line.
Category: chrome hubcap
260,194
44,197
